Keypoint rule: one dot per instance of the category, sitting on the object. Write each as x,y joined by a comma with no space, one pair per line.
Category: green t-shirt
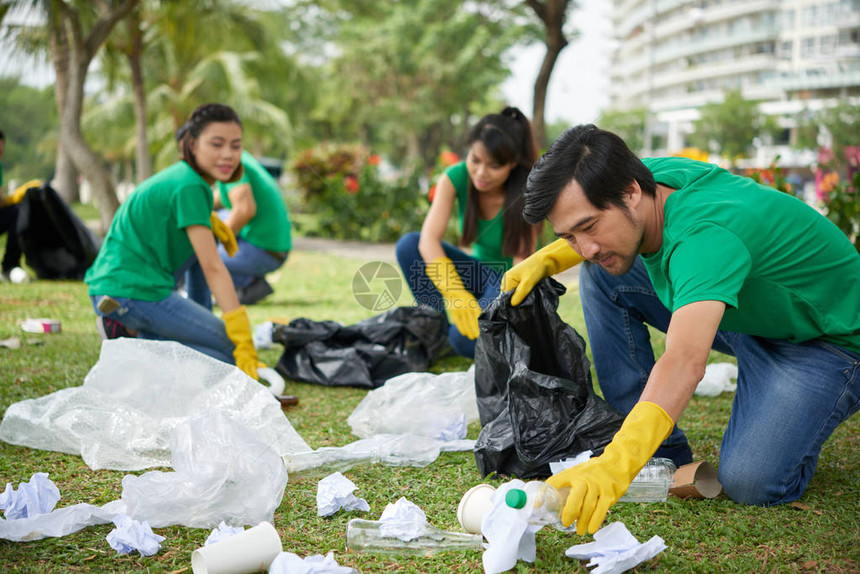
270,227
147,241
783,270
487,247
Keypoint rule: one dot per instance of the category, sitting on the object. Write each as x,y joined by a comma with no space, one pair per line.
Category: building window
785,49
807,48
787,19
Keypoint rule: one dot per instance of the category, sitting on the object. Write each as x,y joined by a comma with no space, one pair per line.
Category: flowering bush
773,176
840,195
344,196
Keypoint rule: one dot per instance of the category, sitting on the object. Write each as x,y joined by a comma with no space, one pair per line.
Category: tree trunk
552,13
65,174
82,50
144,160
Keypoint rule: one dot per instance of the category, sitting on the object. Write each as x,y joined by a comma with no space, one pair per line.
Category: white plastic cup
275,381
250,551
474,505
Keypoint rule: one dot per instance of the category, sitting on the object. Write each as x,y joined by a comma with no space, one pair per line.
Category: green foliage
345,197
838,189
628,124
702,535
729,126
842,121
28,118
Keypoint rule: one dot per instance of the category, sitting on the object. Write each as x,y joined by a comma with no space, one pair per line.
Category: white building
673,56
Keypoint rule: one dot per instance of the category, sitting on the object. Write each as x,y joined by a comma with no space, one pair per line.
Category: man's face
610,237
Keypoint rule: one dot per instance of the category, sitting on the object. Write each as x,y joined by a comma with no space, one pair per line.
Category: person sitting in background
488,189
166,224
11,266
714,260
255,210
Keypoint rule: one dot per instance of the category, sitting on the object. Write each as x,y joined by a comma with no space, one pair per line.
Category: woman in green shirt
488,189
165,223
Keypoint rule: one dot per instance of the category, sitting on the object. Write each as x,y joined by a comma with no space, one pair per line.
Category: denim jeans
789,399
480,279
9,225
175,319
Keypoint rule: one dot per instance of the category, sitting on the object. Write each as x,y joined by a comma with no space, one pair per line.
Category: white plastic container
652,483
250,551
476,503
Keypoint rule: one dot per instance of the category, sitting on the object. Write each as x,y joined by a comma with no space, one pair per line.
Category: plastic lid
515,498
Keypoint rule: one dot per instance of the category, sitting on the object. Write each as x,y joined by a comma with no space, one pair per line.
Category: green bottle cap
515,498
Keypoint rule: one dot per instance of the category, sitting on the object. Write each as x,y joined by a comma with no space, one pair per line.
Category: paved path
384,252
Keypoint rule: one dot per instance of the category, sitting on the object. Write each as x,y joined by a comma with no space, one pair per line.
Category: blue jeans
482,280
9,225
174,319
790,396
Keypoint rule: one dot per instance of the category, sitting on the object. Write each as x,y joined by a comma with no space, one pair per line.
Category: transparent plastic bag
436,406
135,394
223,472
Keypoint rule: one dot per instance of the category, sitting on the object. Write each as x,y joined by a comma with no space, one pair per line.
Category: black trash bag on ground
402,340
533,385
54,240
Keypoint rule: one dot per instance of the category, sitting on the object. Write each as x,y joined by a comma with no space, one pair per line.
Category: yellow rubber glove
239,330
598,483
16,196
552,259
462,306
224,234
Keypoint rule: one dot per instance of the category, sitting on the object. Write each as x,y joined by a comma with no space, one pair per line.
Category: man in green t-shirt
714,260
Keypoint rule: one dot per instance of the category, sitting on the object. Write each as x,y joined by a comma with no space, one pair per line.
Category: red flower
374,160
350,184
825,155
432,193
448,158
852,154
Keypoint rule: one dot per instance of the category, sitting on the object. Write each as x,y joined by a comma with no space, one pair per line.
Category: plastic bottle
546,502
368,536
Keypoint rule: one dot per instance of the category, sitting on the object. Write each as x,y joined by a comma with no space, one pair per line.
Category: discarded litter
251,550
719,377
38,496
127,426
615,550
696,480
436,406
335,492
221,532
271,377
289,563
130,535
41,325
651,484
11,343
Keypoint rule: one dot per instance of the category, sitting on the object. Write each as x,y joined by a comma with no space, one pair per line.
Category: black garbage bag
54,240
533,384
402,340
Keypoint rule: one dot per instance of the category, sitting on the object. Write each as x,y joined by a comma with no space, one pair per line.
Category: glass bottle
370,536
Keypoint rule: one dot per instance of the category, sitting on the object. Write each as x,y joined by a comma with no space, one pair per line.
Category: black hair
599,161
197,122
509,138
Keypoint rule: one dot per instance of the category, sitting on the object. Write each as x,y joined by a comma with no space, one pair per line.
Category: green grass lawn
819,535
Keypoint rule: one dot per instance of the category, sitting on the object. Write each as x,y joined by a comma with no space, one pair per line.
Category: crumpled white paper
509,535
59,522
402,519
335,492
718,377
38,496
130,535
223,531
615,550
289,563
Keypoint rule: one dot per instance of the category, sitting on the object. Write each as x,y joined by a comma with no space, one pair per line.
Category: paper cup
250,551
473,506
41,325
696,480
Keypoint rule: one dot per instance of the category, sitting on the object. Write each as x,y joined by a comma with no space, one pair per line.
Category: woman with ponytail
163,227
488,190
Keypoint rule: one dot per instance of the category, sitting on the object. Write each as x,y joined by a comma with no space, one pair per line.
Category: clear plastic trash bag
121,417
